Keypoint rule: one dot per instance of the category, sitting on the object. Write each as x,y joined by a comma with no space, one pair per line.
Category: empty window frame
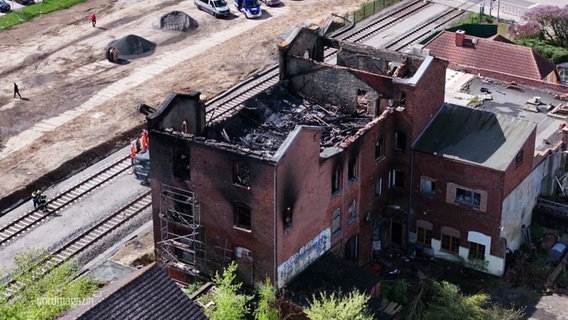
353,211
287,218
399,141
181,163
519,158
352,168
378,188
336,180
396,178
476,251
179,207
427,185
380,147
468,197
336,222
185,255
241,174
450,243
242,216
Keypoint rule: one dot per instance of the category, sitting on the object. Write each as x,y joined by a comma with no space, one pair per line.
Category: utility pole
498,8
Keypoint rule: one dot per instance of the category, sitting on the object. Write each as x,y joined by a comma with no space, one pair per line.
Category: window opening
450,243
424,236
468,198
399,141
427,185
242,216
352,168
336,180
241,174
476,251
353,211
336,224
181,163
287,217
380,147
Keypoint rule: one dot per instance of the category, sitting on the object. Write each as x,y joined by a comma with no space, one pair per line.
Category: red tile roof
492,55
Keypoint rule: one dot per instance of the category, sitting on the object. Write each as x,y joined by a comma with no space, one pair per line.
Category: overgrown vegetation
229,302
267,308
351,306
44,297
546,30
442,301
30,12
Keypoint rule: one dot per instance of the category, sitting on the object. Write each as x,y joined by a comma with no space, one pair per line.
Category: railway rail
231,101
425,29
35,217
81,242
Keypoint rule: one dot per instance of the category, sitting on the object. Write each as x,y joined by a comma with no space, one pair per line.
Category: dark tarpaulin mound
133,45
178,21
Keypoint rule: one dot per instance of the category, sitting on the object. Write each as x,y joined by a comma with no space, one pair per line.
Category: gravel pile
178,21
132,46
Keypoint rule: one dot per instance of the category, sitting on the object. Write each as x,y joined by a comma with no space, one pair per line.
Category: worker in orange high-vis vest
132,152
144,140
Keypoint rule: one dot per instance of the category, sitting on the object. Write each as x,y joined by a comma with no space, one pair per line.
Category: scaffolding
182,243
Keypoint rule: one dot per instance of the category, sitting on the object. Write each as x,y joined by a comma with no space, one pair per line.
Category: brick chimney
460,37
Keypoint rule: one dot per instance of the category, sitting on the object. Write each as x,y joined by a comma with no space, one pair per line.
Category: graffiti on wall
304,257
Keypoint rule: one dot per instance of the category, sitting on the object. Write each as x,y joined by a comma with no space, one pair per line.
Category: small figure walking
35,199
17,91
94,19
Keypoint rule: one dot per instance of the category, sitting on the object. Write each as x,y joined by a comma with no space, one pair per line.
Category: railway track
81,242
35,217
425,29
230,102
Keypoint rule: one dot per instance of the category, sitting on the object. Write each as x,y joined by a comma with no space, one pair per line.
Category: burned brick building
320,161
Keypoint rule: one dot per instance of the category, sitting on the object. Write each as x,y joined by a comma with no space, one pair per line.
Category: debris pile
178,21
133,46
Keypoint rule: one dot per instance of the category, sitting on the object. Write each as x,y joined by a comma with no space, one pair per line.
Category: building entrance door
351,249
396,232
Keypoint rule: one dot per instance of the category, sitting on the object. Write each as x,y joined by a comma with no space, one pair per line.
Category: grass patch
28,13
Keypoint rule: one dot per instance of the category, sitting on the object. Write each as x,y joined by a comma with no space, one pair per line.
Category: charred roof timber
340,100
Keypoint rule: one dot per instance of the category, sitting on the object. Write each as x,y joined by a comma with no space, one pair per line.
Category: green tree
352,306
43,295
228,302
445,301
267,309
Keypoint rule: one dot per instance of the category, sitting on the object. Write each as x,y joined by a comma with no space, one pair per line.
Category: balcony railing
555,207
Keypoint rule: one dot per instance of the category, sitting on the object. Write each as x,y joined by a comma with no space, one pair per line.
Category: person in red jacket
94,19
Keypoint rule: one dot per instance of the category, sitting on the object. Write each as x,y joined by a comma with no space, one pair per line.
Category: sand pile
178,21
133,46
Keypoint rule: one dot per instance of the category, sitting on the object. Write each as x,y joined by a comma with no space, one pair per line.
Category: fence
370,8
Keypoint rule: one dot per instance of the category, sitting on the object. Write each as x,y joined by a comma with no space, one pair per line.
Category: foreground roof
147,294
491,55
475,136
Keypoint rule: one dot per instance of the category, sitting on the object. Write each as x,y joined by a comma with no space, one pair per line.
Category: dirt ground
58,61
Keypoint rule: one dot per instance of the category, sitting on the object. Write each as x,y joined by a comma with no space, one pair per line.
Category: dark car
24,2
4,7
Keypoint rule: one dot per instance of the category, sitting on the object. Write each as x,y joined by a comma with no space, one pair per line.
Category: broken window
353,211
402,98
336,223
362,101
241,174
336,180
476,251
380,147
352,168
181,163
396,178
450,243
187,256
468,198
399,141
379,187
287,218
242,216
427,185
519,158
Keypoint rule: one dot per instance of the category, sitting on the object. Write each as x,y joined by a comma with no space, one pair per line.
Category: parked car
250,8
24,2
218,8
272,3
4,7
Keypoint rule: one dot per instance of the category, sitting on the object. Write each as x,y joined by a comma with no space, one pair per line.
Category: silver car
218,8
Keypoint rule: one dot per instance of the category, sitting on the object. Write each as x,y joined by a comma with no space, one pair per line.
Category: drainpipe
275,276
409,213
